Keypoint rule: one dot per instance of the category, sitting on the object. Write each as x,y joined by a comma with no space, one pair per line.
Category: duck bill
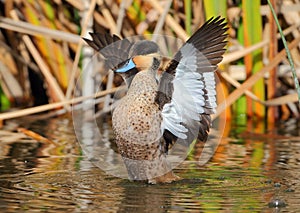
128,66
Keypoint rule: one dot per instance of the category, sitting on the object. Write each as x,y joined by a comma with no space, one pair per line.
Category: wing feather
187,94
114,49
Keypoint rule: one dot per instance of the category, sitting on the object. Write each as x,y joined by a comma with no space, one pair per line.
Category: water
250,172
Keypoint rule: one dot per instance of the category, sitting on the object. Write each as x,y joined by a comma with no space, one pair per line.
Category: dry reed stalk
108,17
252,80
52,83
9,84
18,57
122,13
234,56
236,84
161,21
231,57
289,55
282,9
78,52
113,30
25,55
76,4
38,109
101,20
30,29
285,112
6,57
271,102
272,113
36,136
170,21
240,53
291,98
56,59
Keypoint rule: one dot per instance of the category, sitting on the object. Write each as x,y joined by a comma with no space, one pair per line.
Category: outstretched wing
186,93
114,49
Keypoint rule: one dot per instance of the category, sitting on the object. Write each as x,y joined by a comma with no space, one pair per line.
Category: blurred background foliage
42,52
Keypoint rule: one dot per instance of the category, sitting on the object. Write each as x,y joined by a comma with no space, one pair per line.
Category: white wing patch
193,92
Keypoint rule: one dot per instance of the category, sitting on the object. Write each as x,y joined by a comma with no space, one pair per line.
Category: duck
159,111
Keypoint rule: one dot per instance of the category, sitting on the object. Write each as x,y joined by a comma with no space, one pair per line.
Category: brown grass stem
170,21
30,29
78,51
251,80
52,83
43,108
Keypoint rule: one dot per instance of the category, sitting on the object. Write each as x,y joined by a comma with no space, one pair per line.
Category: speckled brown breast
137,120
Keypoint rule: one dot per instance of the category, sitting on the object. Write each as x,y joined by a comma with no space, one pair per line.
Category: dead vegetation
42,53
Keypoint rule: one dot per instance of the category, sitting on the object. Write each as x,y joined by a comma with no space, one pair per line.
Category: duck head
125,57
144,56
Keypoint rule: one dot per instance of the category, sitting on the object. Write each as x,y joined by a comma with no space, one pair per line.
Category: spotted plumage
156,113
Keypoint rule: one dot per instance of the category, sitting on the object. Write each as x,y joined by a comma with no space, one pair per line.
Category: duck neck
129,75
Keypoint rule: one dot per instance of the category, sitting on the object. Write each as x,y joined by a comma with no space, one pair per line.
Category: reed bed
43,55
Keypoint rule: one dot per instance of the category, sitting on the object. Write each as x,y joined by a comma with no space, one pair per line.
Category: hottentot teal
159,111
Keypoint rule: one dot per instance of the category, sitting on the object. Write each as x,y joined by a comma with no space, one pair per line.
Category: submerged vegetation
42,53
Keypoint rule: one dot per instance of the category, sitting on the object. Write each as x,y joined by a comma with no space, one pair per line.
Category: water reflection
252,171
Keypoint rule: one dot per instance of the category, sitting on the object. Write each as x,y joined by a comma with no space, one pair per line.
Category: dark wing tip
211,29
204,127
210,39
101,40
91,44
114,49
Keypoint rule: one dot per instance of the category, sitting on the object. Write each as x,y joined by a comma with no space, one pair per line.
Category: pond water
252,170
